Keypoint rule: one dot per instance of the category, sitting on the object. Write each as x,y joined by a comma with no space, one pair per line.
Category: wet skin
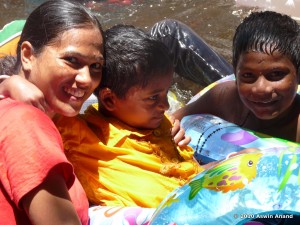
267,84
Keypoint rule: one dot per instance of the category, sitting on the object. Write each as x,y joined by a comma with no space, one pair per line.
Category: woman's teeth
78,93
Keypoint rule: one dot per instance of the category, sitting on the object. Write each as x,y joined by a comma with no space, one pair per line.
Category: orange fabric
120,165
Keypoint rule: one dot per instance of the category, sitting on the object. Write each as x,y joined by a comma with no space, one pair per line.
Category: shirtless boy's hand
178,133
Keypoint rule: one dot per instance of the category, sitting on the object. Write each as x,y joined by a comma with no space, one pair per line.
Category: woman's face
267,84
68,70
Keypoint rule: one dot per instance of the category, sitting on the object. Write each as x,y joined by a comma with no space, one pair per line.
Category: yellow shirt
120,165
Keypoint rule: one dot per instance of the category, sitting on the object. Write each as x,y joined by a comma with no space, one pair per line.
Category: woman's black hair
49,20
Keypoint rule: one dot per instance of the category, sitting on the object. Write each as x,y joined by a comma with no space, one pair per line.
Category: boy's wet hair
133,58
267,32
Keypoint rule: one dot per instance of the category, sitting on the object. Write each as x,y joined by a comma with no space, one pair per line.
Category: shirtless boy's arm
217,101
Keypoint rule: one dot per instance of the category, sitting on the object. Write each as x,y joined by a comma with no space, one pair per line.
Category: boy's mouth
159,117
264,102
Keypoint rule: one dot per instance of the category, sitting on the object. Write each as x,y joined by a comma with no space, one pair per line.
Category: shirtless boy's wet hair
257,33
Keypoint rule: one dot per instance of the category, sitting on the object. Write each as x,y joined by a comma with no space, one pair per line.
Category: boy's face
267,84
144,108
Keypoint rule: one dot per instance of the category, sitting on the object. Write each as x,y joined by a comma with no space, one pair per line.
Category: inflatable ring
257,188
214,138
245,189
9,37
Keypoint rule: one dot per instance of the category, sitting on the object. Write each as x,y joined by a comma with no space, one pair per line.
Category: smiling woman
68,71
62,54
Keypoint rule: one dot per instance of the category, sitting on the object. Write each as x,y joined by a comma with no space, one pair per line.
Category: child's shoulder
226,99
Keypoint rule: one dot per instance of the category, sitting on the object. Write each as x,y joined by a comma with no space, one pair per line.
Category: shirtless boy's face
267,84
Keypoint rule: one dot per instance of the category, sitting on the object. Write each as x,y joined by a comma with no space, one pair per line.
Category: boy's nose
165,104
262,86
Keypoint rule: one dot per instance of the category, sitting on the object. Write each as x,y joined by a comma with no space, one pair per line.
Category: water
214,20
290,7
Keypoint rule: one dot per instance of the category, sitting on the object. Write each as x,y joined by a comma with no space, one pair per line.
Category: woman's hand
18,88
178,133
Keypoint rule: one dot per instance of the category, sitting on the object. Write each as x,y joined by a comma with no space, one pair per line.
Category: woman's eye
96,66
72,60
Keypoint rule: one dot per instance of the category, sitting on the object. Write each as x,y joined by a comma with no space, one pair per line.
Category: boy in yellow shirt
123,153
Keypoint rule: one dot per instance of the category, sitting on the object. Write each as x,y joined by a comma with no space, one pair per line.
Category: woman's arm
3,77
50,203
18,88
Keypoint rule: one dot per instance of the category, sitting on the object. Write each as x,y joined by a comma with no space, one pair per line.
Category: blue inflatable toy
245,189
214,138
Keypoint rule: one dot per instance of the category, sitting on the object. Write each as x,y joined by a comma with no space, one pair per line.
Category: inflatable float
260,186
204,200
9,37
214,138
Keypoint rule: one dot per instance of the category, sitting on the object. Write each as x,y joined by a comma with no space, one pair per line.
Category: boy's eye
154,97
247,77
276,75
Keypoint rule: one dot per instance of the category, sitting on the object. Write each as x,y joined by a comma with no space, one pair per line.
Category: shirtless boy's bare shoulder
222,101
